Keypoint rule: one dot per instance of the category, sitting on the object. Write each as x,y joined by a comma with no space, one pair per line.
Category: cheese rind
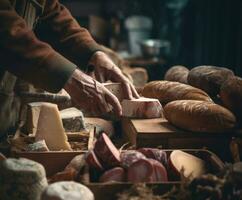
72,119
65,190
33,111
38,146
50,128
26,178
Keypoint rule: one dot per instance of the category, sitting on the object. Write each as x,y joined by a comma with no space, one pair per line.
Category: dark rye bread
167,91
231,96
177,73
209,78
199,116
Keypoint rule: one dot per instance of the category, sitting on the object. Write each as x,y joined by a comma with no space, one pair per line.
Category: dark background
202,32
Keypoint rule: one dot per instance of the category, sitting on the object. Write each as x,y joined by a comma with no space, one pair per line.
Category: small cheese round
67,190
25,178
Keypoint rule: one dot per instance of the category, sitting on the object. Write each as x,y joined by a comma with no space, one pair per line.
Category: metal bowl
152,48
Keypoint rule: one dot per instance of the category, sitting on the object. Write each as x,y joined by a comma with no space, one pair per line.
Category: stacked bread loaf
189,106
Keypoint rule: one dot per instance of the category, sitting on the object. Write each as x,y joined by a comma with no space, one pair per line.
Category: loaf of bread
231,96
209,78
177,73
167,91
199,116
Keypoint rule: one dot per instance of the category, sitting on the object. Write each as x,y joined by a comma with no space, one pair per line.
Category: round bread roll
199,116
231,96
209,78
177,73
67,190
25,179
167,91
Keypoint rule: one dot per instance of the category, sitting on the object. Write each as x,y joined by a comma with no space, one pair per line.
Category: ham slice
159,171
129,157
93,161
116,174
106,152
140,171
156,154
142,108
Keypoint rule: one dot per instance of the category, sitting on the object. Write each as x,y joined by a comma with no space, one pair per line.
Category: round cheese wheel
25,178
67,190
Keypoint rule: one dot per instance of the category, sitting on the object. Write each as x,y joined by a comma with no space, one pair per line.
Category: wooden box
56,161
160,133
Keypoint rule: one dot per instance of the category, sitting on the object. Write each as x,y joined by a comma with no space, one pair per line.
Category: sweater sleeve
62,31
22,54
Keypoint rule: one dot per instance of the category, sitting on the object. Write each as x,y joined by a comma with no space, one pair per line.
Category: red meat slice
156,154
159,171
93,161
140,171
129,157
116,174
107,153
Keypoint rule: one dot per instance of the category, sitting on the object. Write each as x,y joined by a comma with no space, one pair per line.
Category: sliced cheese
67,190
72,119
21,179
142,108
50,128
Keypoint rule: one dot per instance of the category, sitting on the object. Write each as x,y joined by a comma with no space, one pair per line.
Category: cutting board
160,133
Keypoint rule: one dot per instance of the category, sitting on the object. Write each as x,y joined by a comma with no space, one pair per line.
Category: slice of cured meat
129,157
116,174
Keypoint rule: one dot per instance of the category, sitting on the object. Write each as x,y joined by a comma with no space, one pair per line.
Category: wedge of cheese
50,128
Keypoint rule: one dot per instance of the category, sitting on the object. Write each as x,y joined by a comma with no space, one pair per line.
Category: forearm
63,32
22,54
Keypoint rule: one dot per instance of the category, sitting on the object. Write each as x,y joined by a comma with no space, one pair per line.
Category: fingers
114,102
134,92
127,90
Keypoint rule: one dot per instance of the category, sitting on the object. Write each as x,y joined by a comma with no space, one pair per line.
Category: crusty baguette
177,73
209,78
231,96
167,91
199,116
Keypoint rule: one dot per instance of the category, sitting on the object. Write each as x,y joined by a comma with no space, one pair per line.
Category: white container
139,29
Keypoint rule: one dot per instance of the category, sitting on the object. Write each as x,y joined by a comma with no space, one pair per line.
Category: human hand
90,95
105,69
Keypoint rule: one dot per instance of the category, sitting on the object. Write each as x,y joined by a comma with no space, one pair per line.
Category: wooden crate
55,161
159,132
108,191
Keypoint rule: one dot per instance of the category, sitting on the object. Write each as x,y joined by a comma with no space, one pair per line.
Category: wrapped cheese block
209,78
231,96
142,108
167,91
67,190
177,73
21,179
50,128
72,119
199,116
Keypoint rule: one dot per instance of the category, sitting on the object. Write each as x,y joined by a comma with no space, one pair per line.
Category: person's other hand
105,69
90,95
